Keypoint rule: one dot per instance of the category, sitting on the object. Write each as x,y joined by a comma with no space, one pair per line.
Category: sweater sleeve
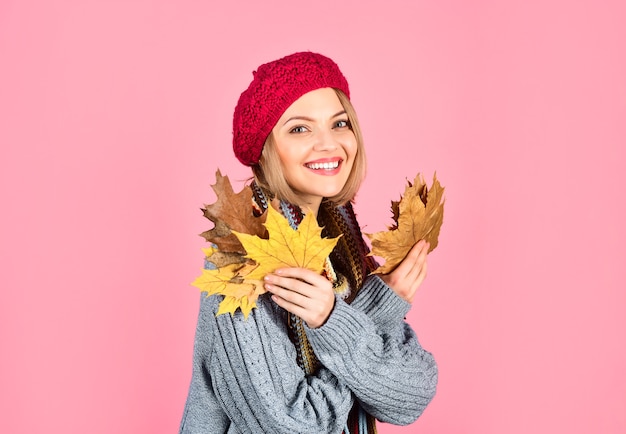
368,345
246,378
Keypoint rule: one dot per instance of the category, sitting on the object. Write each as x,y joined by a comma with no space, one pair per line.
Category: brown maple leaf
221,259
231,212
418,215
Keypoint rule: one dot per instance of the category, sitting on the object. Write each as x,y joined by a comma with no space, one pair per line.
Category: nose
325,140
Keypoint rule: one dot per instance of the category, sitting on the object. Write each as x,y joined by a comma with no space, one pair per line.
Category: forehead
322,101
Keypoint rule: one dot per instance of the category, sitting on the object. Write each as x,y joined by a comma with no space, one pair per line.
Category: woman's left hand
302,292
407,277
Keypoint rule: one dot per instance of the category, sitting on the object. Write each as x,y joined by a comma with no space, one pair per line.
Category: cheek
288,149
283,150
352,147
288,157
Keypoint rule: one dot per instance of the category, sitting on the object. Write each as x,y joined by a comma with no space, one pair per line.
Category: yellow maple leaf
232,282
418,216
241,283
215,281
287,247
242,295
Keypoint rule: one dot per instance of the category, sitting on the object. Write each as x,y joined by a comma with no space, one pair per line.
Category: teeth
325,166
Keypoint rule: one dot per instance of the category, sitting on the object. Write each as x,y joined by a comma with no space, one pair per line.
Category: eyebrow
306,118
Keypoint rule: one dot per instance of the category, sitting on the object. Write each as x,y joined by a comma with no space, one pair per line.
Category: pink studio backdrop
114,116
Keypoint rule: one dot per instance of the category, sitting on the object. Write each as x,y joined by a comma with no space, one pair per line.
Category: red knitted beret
275,86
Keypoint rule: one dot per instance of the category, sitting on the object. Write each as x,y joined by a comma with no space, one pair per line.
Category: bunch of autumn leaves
244,247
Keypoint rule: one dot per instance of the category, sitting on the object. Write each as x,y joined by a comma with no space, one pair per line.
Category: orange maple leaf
417,216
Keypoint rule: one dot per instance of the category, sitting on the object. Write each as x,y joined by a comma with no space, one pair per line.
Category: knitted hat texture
275,86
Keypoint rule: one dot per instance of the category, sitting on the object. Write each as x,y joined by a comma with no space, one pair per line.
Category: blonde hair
268,172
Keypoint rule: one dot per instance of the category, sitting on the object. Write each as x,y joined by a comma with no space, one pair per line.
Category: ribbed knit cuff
342,329
380,302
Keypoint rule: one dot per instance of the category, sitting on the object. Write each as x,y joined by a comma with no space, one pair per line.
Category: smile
324,166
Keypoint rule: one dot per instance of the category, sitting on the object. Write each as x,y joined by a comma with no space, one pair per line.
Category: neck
311,206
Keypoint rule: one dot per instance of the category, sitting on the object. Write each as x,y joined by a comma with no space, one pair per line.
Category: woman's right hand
407,277
302,292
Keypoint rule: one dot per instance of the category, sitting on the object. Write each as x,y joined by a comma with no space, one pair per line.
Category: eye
343,123
297,130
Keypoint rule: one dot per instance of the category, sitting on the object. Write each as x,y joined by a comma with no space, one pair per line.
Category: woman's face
316,146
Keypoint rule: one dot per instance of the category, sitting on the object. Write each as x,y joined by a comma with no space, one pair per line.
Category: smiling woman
269,170
323,353
316,147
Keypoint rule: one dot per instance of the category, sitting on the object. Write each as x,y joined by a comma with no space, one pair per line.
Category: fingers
417,282
411,266
407,277
300,280
303,293
416,261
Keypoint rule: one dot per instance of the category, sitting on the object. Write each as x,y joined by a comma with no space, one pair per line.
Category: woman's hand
302,292
407,277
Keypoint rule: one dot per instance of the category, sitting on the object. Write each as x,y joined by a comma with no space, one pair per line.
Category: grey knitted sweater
245,377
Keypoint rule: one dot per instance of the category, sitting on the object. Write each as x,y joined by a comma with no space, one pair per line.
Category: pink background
114,116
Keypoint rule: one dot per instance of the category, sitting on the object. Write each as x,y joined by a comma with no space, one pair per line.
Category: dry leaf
221,259
417,216
222,237
231,212
239,278
232,282
287,247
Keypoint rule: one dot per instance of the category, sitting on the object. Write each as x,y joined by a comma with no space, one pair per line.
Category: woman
321,353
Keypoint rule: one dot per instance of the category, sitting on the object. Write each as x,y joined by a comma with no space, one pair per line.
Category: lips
327,165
